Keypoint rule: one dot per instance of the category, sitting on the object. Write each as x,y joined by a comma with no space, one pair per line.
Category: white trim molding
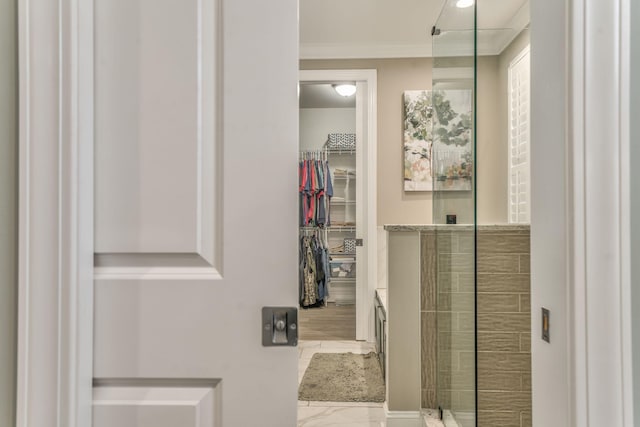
403,418
599,215
580,213
364,313
364,50
492,42
55,326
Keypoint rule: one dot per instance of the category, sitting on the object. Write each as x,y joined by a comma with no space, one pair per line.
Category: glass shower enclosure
454,210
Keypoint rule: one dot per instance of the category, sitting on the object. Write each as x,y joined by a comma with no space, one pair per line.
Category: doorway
328,207
349,228
337,137
328,231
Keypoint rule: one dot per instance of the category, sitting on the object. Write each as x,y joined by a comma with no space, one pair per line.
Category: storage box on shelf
343,268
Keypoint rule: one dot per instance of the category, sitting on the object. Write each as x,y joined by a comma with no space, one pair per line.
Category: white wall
8,207
500,154
550,373
317,123
635,199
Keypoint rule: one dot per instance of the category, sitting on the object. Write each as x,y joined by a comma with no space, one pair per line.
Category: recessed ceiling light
464,3
345,89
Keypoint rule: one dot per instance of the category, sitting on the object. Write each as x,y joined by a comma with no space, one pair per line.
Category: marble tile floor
342,414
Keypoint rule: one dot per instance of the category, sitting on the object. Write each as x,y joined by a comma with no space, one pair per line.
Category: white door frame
365,293
599,245
580,213
55,325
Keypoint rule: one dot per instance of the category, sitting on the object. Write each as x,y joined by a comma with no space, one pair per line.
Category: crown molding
364,50
486,47
519,22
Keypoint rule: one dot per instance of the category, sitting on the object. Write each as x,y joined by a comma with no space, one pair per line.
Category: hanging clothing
315,192
314,272
328,194
310,287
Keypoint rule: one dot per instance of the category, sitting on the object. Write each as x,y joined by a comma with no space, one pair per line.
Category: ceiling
401,28
323,95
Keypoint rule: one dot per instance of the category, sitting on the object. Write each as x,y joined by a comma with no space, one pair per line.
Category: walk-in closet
338,365
328,213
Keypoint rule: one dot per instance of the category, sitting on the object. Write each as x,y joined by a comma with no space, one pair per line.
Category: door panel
168,405
195,213
156,122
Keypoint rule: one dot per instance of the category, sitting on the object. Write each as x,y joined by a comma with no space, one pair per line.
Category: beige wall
8,207
395,206
394,77
491,151
403,322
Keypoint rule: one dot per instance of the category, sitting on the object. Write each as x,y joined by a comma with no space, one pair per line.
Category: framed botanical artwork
418,140
438,140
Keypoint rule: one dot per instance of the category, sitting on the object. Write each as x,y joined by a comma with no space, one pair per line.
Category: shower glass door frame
455,211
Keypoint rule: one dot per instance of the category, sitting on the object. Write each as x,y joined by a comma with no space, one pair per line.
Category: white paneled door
195,215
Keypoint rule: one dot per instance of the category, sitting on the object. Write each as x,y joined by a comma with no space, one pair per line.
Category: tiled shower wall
504,338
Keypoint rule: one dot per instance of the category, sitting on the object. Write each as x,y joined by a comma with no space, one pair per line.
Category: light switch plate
546,325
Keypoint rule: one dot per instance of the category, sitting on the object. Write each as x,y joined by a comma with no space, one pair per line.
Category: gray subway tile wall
503,329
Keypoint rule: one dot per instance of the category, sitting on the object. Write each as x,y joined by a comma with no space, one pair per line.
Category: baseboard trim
401,415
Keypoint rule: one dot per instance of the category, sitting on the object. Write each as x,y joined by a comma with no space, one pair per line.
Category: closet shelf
338,151
343,229
339,228
343,203
348,228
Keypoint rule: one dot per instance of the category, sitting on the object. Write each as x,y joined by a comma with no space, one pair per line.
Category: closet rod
313,155
340,151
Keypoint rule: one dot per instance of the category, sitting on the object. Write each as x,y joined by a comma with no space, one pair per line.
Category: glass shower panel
454,210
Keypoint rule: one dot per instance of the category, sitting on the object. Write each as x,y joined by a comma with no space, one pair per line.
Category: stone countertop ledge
456,227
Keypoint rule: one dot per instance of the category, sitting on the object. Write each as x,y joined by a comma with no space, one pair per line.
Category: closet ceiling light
345,90
464,3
